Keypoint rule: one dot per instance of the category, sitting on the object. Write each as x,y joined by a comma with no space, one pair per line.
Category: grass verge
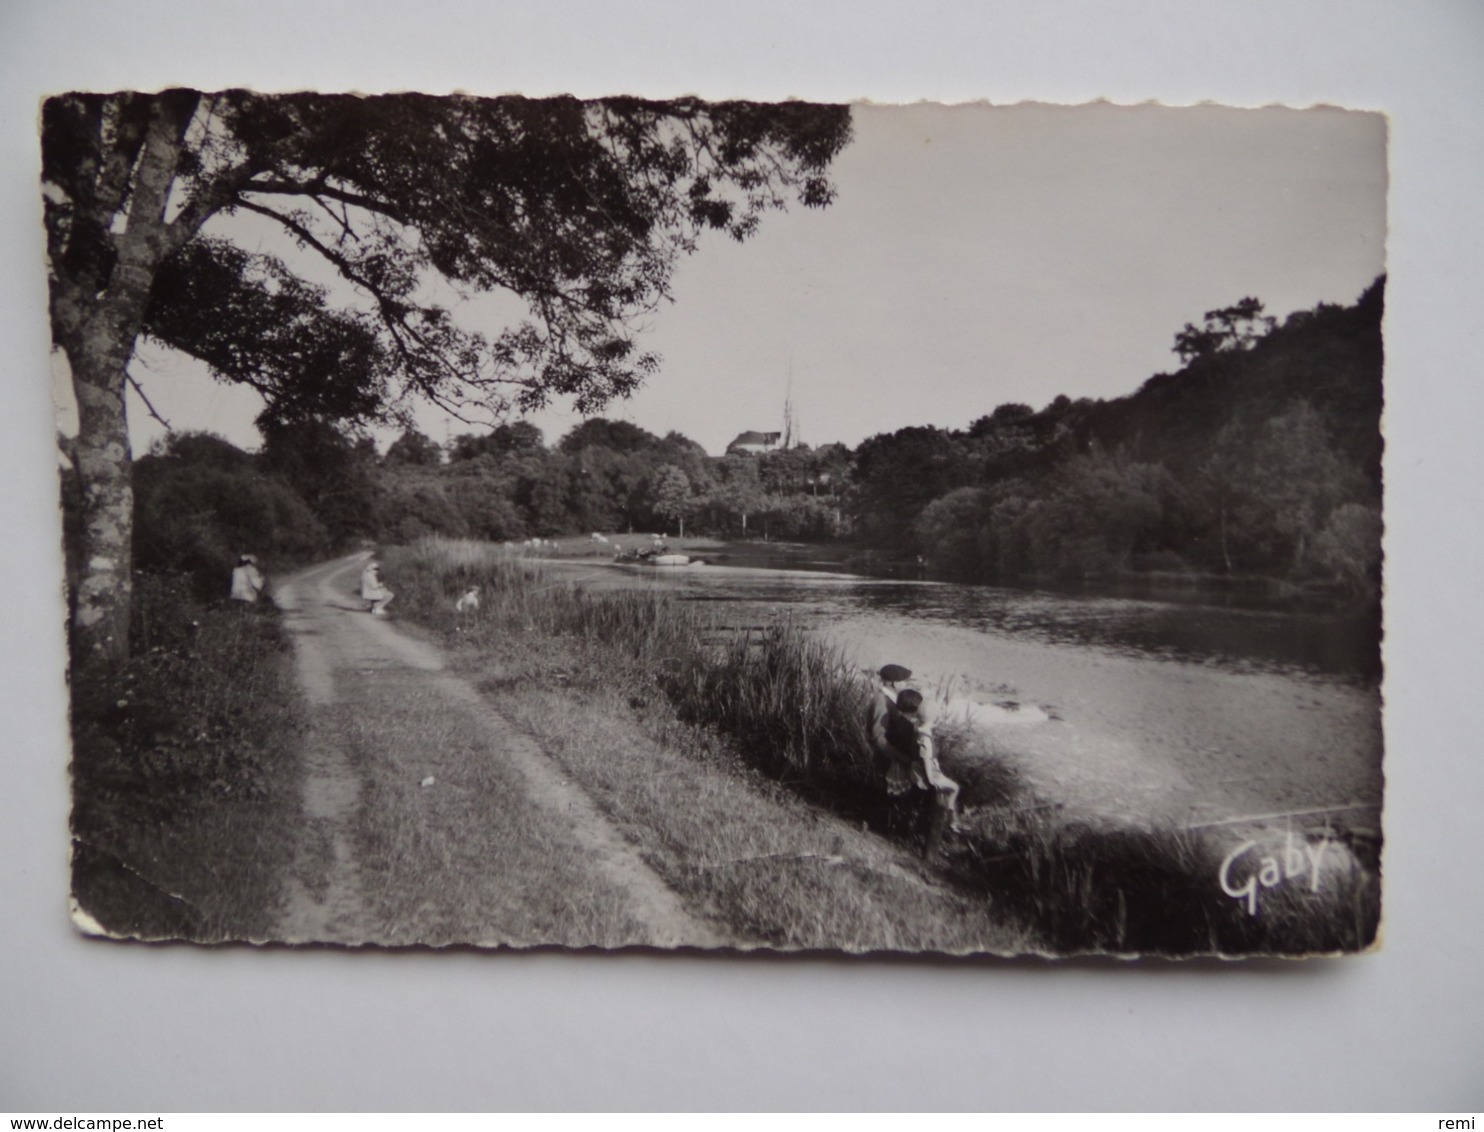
184,772
464,859
586,676
740,848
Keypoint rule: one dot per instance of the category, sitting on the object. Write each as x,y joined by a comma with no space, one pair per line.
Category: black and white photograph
726,525
611,418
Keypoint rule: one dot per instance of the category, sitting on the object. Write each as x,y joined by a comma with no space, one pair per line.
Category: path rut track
343,652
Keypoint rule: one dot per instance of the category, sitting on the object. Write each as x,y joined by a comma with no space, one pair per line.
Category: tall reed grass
793,702
1157,890
794,706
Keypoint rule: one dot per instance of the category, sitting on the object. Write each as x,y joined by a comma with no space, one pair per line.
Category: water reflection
1224,636
1229,638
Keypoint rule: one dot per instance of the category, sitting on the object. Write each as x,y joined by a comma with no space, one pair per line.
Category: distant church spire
790,426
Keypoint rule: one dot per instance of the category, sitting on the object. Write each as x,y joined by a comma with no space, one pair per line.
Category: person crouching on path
373,590
910,731
247,580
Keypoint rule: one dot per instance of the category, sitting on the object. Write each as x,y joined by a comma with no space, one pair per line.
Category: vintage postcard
540,522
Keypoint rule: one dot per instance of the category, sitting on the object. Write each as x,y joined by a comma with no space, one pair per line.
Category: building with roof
754,443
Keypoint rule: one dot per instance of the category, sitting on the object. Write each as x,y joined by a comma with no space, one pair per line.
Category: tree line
1259,456
315,487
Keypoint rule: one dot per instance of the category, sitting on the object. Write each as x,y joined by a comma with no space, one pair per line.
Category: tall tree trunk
100,619
97,329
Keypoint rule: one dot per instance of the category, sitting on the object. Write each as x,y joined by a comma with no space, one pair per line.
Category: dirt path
347,657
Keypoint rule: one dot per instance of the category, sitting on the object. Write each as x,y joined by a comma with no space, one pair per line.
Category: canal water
1174,707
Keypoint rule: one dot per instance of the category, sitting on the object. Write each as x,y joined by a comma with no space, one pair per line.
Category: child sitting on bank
373,590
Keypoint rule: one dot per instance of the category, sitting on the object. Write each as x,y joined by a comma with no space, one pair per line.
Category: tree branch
320,186
337,259
221,192
149,405
342,218
396,323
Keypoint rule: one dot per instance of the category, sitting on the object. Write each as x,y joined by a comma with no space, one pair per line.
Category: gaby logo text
1243,873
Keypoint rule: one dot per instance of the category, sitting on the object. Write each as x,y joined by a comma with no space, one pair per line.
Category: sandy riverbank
1131,737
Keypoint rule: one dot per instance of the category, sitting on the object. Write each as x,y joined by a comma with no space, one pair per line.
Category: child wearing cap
901,732
894,766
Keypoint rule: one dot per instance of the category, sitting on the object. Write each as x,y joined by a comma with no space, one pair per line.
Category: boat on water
656,556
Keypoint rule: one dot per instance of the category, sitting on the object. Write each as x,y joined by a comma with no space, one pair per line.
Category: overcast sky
977,255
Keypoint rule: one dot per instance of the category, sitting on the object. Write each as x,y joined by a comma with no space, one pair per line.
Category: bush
198,708
953,533
201,503
1349,548
169,749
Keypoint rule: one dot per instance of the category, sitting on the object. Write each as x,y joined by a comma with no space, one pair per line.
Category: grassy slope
734,844
185,775
601,679
464,860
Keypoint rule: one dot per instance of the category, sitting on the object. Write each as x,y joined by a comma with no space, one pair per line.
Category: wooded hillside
1260,456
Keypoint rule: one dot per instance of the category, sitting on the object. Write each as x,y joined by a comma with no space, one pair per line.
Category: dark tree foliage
331,472
412,447
580,209
252,321
616,436
202,502
1261,456
1329,357
609,488
1003,415
413,501
503,440
899,474
1237,327
203,450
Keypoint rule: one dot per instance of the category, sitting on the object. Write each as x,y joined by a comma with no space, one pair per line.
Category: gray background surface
90,1026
